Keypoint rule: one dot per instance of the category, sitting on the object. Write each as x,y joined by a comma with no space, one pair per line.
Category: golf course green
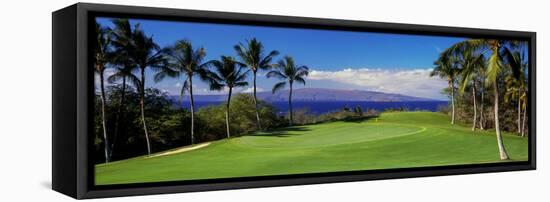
394,140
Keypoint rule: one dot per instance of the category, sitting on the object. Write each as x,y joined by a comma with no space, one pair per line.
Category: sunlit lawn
395,140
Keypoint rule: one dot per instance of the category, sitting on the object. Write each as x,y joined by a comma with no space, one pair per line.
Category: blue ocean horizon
321,107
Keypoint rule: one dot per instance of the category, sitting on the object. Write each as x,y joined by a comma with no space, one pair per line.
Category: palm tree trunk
118,116
452,101
192,109
227,112
256,105
519,110
290,105
142,106
103,122
475,106
481,117
501,149
524,118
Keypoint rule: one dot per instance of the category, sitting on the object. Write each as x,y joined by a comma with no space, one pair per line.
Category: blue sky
392,63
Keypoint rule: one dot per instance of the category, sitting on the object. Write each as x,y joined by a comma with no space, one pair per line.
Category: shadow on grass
282,132
357,119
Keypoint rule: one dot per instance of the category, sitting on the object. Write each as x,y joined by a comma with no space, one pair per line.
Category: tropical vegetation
488,99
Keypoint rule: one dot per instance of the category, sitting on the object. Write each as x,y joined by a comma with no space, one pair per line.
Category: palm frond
300,80
493,67
275,73
184,87
240,84
278,86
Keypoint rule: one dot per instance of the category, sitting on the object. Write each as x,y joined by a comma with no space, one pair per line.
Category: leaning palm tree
146,54
185,61
446,68
495,67
252,54
288,71
227,74
102,55
472,64
524,97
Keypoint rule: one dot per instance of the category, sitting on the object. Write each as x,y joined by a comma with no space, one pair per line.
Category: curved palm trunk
452,101
481,117
256,105
103,122
227,112
524,117
519,110
475,106
501,149
192,109
142,106
118,116
290,105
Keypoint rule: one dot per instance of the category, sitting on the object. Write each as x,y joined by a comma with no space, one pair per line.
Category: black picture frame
72,108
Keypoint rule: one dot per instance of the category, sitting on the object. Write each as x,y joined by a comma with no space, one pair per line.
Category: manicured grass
395,140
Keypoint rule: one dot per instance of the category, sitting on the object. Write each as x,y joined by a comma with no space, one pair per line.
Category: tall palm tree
513,93
288,71
102,53
472,64
188,62
122,74
146,54
227,74
124,66
495,67
482,90
517,80
446,68
252,54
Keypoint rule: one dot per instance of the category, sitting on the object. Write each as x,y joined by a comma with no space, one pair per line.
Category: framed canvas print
154,100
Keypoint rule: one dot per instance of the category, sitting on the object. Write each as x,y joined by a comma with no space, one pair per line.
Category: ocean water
330,106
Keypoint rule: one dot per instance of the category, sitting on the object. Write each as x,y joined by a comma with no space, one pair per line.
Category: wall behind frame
26,100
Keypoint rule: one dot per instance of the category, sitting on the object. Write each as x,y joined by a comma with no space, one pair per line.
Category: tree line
128,50
479,71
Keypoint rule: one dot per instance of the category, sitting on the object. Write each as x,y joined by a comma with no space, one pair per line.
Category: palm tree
482,90
227,74
513,93
146,54
472,64
445,67
252,54
494,69
288,71
122,74
185,61
124,66
102,53
516,81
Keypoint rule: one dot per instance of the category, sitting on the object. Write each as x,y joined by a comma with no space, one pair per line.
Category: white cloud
251,90
414,82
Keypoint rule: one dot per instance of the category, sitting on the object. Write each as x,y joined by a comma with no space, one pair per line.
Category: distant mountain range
319,95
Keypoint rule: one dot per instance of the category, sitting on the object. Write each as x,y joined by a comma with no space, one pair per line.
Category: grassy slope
395,140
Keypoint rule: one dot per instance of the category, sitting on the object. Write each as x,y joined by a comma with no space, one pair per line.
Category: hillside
322,95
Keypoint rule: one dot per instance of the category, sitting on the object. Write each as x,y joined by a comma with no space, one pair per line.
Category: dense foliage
168,124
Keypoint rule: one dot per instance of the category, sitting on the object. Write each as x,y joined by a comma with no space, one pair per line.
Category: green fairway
394,140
